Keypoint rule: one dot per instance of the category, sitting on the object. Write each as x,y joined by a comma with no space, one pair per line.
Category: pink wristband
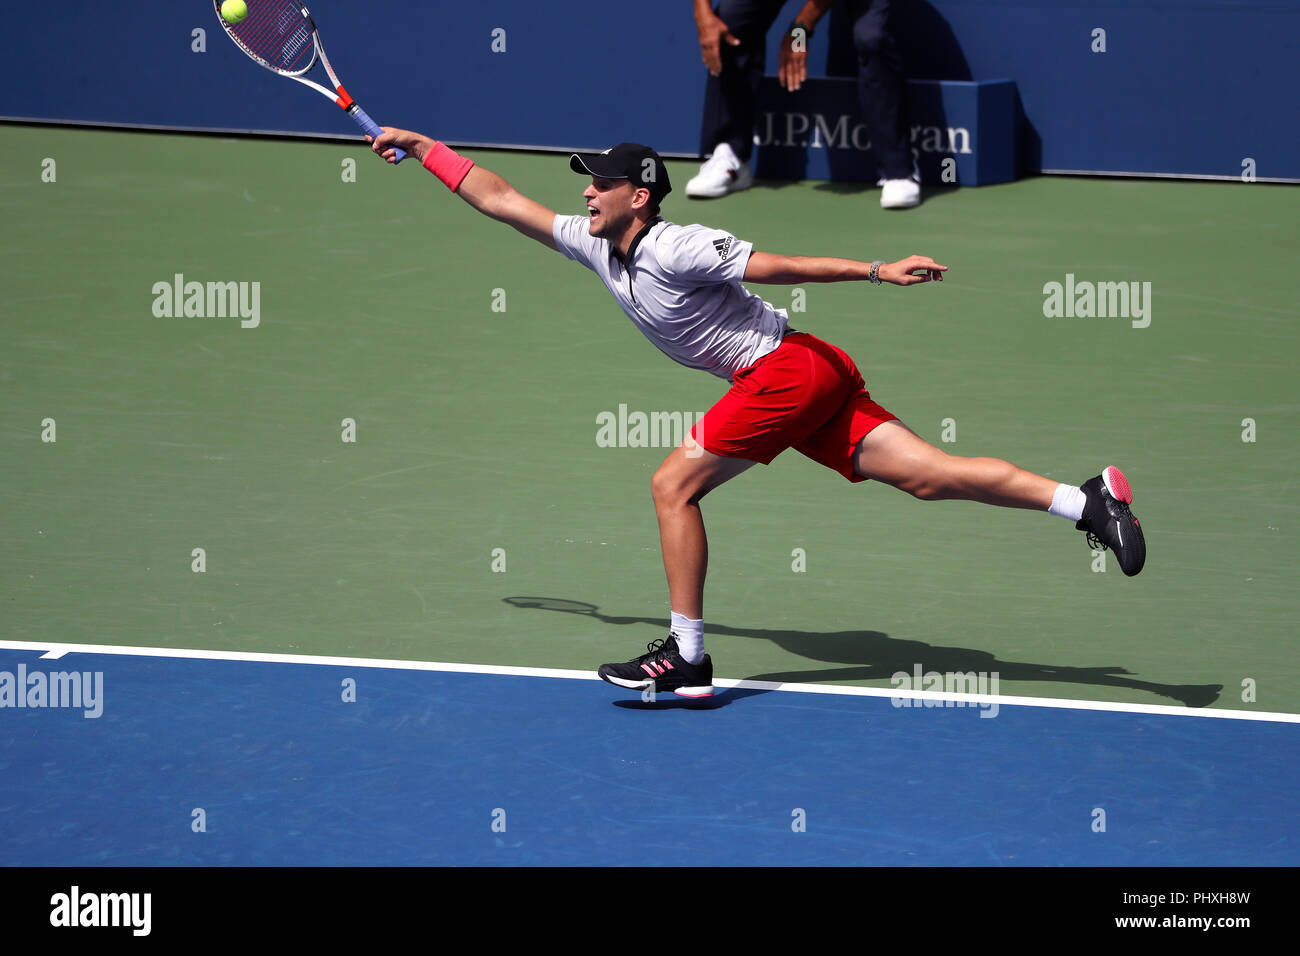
448,165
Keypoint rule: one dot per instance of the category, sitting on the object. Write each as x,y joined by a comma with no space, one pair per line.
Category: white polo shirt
681,287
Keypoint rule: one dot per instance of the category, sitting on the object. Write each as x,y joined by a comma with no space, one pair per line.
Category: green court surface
476,426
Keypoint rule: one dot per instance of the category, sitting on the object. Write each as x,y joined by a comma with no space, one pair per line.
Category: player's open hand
393,139
912,270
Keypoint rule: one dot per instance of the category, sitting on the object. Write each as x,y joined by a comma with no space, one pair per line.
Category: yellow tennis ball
232,11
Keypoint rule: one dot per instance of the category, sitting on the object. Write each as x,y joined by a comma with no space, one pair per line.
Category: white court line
55,651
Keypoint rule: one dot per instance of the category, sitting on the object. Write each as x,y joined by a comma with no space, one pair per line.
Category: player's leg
862,440
687,475
772,405
678,663
894,454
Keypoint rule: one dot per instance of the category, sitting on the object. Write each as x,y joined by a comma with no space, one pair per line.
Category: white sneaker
721,173
900,194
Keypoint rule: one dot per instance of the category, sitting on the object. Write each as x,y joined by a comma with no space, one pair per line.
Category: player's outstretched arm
791,270
481,188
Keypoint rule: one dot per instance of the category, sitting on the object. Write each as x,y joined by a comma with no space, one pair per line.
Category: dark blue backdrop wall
1194,87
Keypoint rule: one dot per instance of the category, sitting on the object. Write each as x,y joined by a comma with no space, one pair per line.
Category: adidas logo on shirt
723,246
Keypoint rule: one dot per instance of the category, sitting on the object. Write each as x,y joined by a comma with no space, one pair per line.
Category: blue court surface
430,767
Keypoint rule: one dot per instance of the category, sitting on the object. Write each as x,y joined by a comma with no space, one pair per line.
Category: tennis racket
281,36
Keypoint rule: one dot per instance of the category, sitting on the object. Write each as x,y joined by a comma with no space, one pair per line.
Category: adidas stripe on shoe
661,669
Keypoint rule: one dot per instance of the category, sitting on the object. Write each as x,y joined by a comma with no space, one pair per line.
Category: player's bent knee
666,489
658,486
671,488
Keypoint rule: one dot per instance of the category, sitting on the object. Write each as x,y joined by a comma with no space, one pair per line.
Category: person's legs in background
882,91
727,130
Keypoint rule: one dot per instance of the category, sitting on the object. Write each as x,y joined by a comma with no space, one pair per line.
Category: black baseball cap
638,164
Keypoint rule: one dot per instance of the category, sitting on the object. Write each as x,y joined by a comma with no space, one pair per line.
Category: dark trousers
730,99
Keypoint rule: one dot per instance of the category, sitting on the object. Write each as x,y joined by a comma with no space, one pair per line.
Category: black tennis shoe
662,668
1108,521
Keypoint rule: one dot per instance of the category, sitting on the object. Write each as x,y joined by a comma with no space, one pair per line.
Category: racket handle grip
370,126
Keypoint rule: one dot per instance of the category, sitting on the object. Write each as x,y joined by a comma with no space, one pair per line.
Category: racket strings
277,33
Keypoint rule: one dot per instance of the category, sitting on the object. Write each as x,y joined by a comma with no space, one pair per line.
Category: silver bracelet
874,275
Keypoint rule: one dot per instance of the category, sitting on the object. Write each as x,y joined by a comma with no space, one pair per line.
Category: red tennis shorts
806,394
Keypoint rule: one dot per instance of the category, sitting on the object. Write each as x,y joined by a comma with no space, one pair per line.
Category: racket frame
339,95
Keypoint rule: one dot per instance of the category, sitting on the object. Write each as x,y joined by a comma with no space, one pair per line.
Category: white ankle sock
1068,502
690,637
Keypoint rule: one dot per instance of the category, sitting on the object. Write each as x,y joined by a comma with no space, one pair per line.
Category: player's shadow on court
873,655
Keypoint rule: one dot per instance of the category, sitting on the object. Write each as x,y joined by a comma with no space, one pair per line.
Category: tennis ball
232,11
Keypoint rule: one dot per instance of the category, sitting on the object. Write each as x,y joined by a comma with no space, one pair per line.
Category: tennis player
682,287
